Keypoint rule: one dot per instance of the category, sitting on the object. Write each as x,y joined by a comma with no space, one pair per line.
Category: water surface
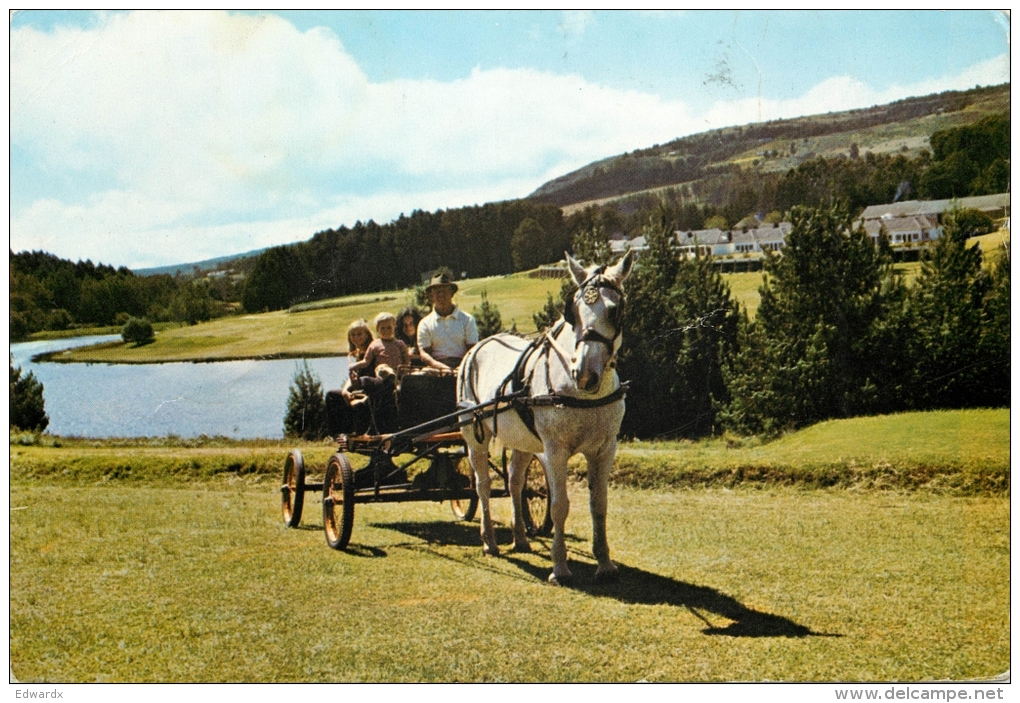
240,399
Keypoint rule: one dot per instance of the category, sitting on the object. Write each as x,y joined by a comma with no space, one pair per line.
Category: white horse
572,402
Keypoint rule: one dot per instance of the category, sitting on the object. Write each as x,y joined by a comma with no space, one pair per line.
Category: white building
914,229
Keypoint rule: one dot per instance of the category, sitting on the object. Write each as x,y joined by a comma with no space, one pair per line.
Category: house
726,243
620,246
703,242
909,230
996,206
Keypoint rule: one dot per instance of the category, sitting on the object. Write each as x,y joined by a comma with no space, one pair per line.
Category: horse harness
519,397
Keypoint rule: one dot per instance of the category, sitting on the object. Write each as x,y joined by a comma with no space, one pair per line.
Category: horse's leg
556,470
517,471
478,455
599,465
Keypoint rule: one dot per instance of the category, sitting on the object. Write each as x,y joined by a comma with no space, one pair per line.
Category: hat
439,280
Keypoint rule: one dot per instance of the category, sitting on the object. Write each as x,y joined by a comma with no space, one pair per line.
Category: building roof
703,237
914,223
935,207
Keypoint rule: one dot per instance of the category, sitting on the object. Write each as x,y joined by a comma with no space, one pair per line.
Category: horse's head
596,314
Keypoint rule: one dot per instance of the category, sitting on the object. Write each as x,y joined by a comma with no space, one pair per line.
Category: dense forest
492,239
49,293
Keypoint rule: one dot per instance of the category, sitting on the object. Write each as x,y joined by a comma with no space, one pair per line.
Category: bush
487,318
139,331
306,406
28,410
549,314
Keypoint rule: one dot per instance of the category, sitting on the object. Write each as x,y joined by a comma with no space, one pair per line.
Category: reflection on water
241,399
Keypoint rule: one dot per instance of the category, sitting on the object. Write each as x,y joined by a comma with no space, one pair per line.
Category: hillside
776,146
198,266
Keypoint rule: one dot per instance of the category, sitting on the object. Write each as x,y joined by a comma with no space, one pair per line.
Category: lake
239,399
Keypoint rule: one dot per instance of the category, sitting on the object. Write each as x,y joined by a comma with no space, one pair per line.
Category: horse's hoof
566,580
607,576
490,551
523,548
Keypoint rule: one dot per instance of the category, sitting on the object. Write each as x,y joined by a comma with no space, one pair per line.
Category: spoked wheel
537,515
338,501
292,492
465,509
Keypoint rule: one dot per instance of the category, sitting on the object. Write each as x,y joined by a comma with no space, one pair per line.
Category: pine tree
487,318
680,325
306,406
591,246
818,343
549,314
28,409
947,307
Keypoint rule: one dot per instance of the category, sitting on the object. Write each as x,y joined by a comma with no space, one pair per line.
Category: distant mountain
202,266
779,145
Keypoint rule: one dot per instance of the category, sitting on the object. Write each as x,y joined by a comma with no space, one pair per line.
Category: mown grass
314,330
959,451
166,560
964,452
133,583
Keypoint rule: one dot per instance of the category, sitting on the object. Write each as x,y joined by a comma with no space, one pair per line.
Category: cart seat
425,396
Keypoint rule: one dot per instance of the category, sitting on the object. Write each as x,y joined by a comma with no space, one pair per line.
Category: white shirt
447,336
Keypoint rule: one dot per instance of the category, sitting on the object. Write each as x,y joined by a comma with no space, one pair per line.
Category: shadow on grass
459,534
634,586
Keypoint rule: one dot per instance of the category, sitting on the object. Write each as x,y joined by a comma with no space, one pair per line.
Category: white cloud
206,119
575,22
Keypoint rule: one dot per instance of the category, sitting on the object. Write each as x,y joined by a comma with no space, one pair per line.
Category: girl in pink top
385,354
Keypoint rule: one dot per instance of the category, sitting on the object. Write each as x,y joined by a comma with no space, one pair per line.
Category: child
386,353
359,337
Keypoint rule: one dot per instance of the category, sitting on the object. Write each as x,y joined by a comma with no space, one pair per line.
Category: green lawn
962,452
959,451
167,560
133,583
319,331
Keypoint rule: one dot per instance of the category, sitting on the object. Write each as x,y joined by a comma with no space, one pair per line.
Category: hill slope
902,126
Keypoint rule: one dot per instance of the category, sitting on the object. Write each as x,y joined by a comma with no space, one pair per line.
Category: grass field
960,452
320,331
130,583
167,560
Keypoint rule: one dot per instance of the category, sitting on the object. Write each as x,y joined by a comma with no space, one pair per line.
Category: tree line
491,239
50,293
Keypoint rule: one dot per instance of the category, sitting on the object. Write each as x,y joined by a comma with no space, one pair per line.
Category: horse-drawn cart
437,444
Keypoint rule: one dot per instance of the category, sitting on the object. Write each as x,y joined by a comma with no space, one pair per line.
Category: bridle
589,292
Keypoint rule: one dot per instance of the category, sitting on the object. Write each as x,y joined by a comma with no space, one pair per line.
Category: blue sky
151,138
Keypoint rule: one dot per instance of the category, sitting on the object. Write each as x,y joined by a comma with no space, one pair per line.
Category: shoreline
54,358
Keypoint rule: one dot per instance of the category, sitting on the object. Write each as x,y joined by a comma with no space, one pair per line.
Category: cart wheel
292,492
338,502
537,515
465,509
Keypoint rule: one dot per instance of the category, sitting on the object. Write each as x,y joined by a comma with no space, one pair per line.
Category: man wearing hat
446,333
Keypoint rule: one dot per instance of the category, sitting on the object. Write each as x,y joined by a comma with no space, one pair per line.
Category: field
318,331
166,560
